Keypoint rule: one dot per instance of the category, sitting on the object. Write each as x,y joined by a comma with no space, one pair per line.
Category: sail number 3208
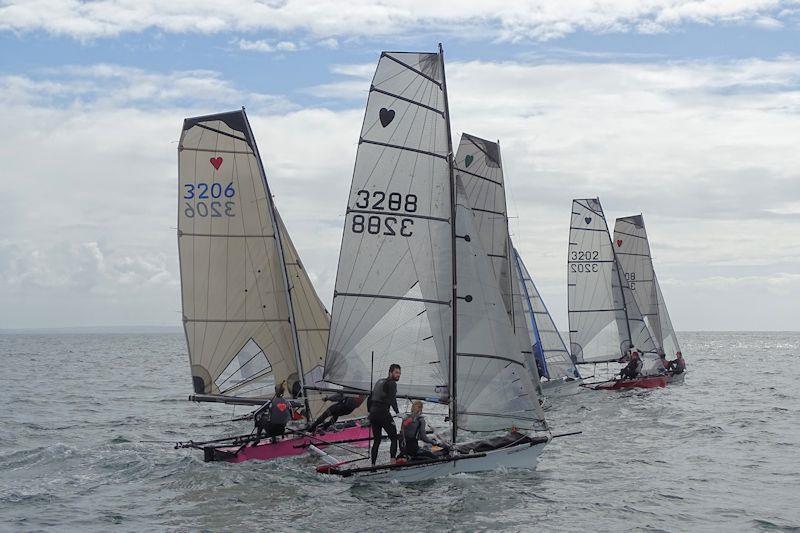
380,224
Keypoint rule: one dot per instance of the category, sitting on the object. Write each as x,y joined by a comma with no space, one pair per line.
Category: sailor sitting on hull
271,419
413,431
678,365
634,367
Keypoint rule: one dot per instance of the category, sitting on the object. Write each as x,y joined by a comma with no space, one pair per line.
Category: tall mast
284,272
453,343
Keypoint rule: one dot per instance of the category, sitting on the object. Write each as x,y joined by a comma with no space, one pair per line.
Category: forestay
547,344
393,289
633,250
604,319
494,388
236,307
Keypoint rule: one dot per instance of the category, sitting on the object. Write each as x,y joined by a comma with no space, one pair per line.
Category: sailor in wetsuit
412,431
271,419
384,396
678,365
633,368
344,406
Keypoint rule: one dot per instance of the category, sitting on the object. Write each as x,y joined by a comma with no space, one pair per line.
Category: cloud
707,151
327,19
108,85
262,45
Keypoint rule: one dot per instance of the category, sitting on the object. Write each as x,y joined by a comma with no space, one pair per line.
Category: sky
687,111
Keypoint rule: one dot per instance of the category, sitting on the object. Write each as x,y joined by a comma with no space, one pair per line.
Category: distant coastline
91,330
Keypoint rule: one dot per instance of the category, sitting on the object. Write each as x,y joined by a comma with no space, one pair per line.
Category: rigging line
409,67
499,184
409,100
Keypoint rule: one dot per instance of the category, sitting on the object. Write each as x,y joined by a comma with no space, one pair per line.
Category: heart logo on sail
281,407
387,116
619,243
588,219
468,160
216,161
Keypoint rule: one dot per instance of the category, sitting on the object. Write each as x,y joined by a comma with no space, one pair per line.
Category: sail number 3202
380,224
586,258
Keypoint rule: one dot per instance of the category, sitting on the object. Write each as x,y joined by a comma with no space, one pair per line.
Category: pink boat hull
649,382
287,447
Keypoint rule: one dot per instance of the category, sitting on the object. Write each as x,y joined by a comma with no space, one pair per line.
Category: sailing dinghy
250,313
415,286
633,250
605,322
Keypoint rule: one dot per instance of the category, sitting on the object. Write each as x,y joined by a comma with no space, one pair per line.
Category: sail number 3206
380,224
215,208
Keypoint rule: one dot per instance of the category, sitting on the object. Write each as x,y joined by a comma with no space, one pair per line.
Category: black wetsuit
632,370
344,406
384,396
272,420
413,431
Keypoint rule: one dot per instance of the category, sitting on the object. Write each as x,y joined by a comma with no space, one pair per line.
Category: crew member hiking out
384,396
344,405
633,368
271,419
412,431
678,365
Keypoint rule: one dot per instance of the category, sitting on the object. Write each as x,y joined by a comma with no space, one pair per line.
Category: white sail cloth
237,262
633,250
604,320
393,300
545,338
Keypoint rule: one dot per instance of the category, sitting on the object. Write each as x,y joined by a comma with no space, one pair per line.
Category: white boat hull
558,387
522,456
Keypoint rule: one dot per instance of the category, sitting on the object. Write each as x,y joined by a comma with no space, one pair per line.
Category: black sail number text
383,225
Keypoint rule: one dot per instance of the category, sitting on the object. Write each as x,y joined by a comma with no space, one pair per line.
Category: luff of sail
604,320
548,345
393,292
633,250
478,165
236,308
495,390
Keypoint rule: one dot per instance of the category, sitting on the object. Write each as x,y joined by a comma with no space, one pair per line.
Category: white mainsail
548,345
478,165
633,250
394,299
604,320
237,267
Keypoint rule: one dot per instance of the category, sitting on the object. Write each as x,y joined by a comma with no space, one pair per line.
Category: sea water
719,453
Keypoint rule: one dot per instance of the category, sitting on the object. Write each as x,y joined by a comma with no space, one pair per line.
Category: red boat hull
648,382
